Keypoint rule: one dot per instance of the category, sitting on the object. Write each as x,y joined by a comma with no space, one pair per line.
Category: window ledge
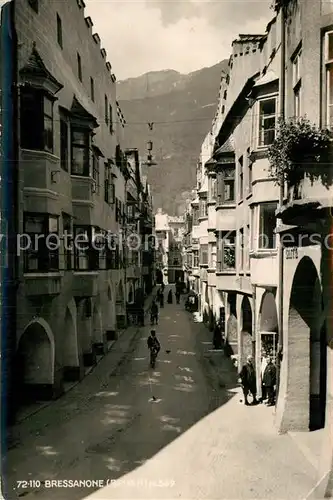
42,154
34,275
88,178
226,272
211,202
87,273
202,219
211,270
225,205
204,265
261,254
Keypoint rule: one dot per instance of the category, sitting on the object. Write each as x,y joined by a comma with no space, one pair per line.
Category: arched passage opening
110,316
35,361
232,337
247,346
307,348
71,360
98,337
120,306
84,327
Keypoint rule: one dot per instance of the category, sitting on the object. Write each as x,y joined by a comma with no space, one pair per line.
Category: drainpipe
281,196
125,255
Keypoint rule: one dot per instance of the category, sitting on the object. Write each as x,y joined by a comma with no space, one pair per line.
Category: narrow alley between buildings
179,431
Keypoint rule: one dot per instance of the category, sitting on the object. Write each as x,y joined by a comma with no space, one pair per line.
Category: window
226,252
109,187
203,209
67,239
175,232
203,255
195,216
96,172
36,120
80,142
240,178
112,252
267,117
86,257
42,254
92,89
106,110
267,224
225,94
212,188
196,258
34,5
64,144
247,247
329,77
79,67
212,256
297,83
241,250
111,118
226,186
249,172
59,31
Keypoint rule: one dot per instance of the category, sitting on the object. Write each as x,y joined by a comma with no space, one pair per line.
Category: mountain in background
182,108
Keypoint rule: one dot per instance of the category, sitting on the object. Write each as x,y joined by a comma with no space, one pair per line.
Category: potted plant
300,149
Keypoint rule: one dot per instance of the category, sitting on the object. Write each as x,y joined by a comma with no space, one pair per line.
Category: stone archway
84,327
110,316
305,398
70,350
232,336
97,328
247,345
120,306
35,361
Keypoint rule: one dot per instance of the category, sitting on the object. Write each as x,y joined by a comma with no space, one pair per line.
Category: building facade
73,178
272,270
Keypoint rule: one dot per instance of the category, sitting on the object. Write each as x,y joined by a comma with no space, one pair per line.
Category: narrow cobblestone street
181,426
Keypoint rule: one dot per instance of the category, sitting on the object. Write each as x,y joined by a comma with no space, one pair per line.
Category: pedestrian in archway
170,297
248,381
269,380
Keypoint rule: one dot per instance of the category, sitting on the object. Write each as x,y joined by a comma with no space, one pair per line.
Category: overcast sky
185,35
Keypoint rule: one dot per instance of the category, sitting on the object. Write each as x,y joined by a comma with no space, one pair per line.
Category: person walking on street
269,380
154,347
170,297
177,296
248,381
154,313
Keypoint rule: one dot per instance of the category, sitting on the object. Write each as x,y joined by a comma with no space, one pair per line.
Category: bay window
226,186
42,254
95,170
36,120
195,216
80,151
195,258
67,239
267,224
212,256
212,189
329,77
226,251
85,255
267,121
64,150
203,255
203,209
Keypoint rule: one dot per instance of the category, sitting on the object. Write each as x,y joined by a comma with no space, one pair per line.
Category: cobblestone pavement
178,431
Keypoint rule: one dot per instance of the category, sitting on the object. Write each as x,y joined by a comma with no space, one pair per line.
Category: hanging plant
300,148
